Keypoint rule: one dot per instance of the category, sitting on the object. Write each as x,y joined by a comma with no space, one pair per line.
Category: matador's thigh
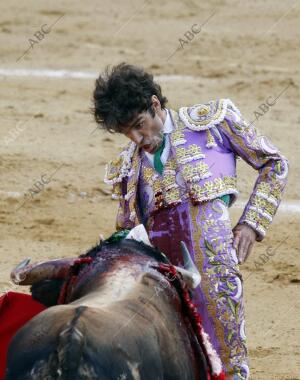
206,229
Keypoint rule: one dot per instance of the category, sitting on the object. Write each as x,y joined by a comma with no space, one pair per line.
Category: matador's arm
245,141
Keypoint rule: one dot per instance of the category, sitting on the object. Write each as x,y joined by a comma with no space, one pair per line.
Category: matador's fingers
237,236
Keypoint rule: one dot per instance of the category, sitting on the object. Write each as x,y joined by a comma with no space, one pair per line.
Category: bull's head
28,274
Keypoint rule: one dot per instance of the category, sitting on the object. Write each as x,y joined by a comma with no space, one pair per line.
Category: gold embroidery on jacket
191,153
212,189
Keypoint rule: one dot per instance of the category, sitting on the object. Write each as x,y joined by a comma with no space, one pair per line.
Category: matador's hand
244,238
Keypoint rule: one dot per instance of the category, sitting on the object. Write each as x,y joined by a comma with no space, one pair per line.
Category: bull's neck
118,284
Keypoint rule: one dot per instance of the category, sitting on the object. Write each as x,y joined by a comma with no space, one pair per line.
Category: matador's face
145,130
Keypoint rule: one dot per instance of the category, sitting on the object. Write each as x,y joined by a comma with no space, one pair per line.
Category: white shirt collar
167,128
168,124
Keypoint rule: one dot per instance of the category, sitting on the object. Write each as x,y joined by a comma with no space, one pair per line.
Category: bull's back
47,346
130,341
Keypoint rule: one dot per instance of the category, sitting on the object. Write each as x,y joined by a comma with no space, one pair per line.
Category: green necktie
225,198
158,165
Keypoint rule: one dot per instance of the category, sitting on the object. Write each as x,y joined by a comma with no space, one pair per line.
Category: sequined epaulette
118,169
202,117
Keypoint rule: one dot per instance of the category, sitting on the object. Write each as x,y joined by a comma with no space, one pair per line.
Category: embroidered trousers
206,230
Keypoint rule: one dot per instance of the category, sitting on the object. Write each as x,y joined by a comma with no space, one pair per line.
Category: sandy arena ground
246,51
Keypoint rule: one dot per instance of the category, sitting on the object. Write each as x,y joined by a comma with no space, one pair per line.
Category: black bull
123,320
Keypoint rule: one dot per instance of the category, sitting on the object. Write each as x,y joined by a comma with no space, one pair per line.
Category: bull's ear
47,291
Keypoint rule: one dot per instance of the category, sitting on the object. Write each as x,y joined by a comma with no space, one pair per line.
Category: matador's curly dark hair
121,93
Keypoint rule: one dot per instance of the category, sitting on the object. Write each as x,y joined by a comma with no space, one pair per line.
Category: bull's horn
23,263
191,279
27,274
190,272
17,278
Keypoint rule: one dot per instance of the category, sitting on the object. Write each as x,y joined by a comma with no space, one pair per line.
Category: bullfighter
177,176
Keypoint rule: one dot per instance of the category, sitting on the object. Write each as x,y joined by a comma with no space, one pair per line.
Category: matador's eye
140,125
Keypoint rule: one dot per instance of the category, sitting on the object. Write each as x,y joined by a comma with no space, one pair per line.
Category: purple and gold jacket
205,142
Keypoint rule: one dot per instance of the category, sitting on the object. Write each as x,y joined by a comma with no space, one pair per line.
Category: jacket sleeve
118,194
116,175
122,218
245,141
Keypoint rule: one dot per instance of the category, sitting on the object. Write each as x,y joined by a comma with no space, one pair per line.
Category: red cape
15,310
